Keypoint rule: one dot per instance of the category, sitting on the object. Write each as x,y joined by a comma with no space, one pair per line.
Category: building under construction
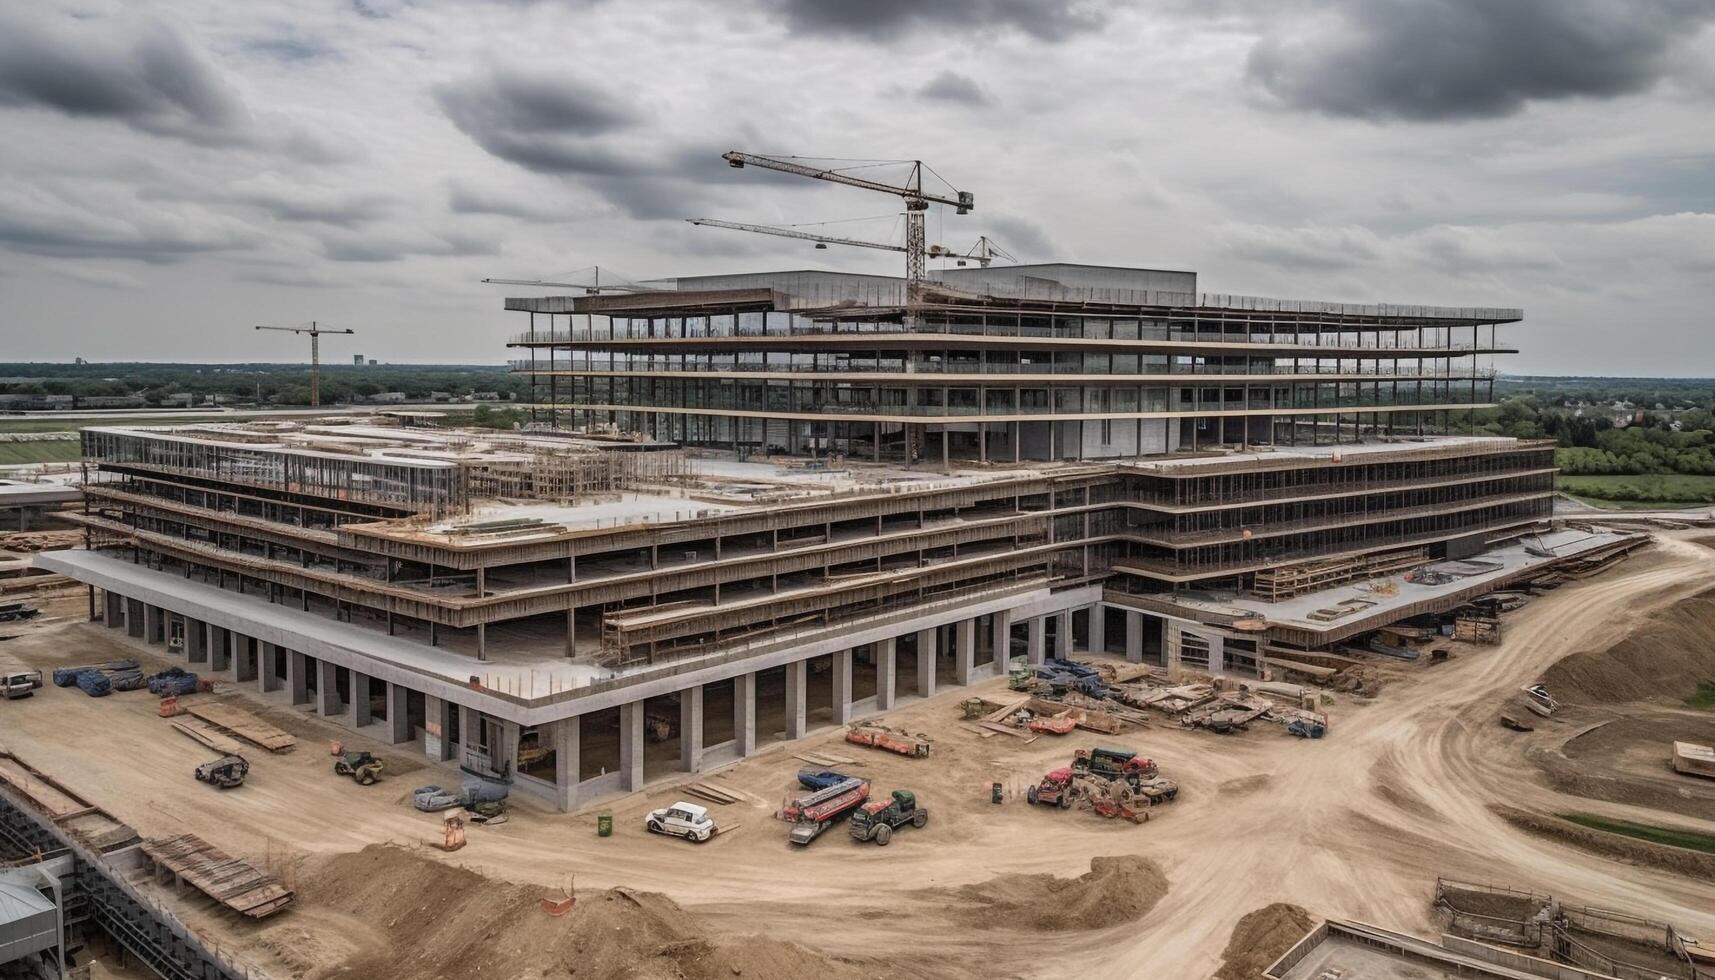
752,505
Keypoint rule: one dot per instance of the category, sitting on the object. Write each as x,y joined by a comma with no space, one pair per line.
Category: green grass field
1644,832
1704,699
1649,491
57,451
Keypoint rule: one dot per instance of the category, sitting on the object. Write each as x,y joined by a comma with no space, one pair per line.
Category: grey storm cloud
1044,20
950,86
1432,60
143,74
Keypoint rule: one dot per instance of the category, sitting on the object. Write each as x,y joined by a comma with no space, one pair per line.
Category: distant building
357,360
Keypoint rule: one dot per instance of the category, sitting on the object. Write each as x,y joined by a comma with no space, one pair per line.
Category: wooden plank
209,737
234,883
243,724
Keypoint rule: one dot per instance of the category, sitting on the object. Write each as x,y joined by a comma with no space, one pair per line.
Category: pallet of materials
242,724
189,860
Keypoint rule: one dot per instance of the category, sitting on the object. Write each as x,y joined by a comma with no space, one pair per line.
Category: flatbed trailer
812,814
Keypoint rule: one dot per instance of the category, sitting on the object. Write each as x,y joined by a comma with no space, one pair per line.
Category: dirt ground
1355,825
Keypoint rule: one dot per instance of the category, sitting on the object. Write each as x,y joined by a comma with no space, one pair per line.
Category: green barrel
604,825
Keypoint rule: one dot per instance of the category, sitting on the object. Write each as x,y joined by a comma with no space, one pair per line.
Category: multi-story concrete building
758,504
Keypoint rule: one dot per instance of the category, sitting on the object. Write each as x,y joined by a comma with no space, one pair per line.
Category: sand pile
1116,890
410,917
1666,657
1260,938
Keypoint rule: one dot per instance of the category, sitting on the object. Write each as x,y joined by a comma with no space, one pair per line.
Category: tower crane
315,331
982,253
593,287
917,201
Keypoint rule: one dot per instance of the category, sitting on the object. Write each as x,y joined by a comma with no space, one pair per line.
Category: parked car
20,684
686,820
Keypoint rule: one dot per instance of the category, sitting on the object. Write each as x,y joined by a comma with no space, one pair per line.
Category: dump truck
363,768
889,740
812,814
225,772
876,820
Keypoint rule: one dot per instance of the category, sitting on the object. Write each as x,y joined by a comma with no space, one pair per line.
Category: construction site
1034,621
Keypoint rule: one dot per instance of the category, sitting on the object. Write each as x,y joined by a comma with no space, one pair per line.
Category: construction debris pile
1105,698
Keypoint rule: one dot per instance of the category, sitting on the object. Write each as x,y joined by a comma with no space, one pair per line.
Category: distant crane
593,287
982,253
916,203
315,331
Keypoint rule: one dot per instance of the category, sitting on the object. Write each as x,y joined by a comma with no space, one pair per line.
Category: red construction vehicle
811,814
888,739
1054,790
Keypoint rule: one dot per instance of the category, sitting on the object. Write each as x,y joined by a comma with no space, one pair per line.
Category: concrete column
196,641
266,680
359,712
468,723
115,613
152,616
244,666
297,677
134,617
1098,627
926,662
965,651
327,690
691,729
842,687
437,726
1134,636
568,751
885,662
631,746
1063,635
399,714
1002,641
744,714
1037,646
219,649
797,676
1170,650
1217,655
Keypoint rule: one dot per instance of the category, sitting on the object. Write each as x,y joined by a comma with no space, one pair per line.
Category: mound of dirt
411,916
1260,938
1666,657
1114,891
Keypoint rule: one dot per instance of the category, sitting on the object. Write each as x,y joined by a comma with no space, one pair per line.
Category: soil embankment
1666,657
1115,890
394,914
1260,938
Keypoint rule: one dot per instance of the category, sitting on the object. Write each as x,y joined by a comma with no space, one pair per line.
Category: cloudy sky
173,172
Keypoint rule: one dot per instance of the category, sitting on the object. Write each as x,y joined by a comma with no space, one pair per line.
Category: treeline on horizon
273,383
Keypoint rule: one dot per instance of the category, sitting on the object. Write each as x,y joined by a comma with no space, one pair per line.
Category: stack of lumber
234,883
236,721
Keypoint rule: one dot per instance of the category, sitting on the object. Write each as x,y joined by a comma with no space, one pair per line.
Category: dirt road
1355,825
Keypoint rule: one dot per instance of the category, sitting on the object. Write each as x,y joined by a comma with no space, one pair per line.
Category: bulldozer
363,768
